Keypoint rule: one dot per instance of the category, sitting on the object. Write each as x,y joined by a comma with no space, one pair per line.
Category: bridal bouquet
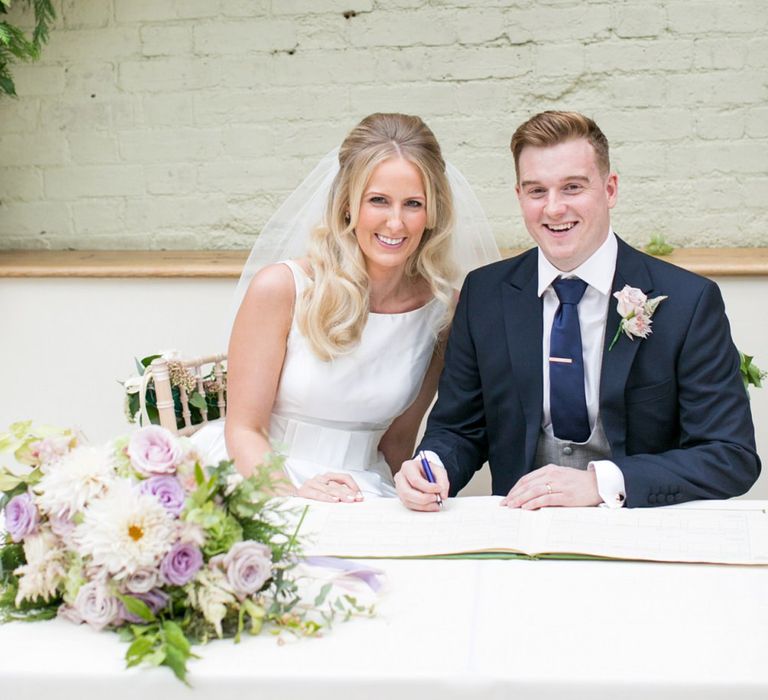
140,537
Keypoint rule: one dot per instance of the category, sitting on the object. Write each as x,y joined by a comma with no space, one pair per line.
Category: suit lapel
523,326
617,363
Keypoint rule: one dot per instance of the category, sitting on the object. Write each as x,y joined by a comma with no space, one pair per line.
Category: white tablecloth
458,629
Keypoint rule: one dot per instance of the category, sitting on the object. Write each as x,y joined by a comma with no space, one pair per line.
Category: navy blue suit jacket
673,405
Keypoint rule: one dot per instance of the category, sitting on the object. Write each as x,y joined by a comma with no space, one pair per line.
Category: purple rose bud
167,490
21,517
155,599
181,563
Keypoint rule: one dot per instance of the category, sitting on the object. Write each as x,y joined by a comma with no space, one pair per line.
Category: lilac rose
167,490
154,450
181,563
96,606
248,565
21,517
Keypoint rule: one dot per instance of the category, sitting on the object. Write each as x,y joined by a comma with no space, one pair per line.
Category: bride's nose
395,220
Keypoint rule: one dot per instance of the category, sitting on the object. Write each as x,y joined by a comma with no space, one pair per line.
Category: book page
657,534
385,528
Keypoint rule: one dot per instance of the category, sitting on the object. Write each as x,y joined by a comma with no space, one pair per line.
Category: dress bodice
331,415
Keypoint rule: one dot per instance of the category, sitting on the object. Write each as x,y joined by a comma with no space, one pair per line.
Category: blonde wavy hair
334,308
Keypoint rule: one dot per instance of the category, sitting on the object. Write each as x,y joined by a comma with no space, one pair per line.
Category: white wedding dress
330,416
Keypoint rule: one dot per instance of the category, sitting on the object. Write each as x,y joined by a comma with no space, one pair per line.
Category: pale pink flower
638,326
248,565
154,450
631,301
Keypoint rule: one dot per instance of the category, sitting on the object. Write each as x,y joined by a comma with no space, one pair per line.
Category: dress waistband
335,448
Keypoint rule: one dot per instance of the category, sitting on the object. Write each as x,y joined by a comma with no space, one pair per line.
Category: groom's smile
565,200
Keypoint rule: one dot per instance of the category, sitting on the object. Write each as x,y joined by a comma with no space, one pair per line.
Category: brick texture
182,123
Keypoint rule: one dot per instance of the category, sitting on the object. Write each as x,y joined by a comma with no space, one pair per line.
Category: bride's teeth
390,241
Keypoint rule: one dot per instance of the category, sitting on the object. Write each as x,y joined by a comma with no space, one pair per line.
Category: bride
334,356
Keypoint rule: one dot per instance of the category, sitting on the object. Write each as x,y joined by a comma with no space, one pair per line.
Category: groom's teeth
560,227
389,241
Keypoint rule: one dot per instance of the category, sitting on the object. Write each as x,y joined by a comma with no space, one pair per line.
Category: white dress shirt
597,271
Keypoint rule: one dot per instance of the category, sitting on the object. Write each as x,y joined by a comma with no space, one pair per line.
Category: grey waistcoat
552,450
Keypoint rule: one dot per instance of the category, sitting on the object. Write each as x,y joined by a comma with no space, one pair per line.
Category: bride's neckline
403,313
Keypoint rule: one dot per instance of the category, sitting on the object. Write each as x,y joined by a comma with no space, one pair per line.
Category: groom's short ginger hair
551,128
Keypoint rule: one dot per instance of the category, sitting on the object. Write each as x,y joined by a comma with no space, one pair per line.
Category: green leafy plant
658,246
14,43
750,372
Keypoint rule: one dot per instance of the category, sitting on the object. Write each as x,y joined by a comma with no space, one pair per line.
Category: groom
577,396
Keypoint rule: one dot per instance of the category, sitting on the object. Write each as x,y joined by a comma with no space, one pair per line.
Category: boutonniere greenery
636,310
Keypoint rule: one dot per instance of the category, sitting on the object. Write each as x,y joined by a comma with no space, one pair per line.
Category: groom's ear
612,189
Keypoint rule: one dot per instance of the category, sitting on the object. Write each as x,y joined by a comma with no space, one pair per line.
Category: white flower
141,581
211,593
78,477
45,569
96,606
189,532
132,385
125,531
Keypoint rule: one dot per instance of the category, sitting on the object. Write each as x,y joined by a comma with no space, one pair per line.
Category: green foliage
658,246
14,44
750,372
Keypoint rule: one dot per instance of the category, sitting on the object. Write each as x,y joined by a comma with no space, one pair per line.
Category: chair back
191,378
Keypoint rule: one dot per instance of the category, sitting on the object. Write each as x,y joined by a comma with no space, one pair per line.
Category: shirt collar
597,271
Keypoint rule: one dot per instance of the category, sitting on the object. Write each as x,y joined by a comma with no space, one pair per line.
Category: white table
458,629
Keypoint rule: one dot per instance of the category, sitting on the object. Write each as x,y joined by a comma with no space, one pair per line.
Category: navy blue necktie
567,403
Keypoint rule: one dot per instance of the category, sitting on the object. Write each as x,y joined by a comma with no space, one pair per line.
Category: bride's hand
332,487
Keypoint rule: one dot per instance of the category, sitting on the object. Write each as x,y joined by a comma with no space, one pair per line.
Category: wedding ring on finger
549,488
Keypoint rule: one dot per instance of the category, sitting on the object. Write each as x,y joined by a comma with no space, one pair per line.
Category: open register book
729,533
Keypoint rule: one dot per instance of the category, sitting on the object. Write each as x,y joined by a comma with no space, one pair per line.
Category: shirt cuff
610,483
433,458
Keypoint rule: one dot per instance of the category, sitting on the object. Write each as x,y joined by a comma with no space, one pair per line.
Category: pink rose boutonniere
635,309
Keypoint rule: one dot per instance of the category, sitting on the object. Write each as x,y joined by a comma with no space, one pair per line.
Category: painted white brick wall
182,123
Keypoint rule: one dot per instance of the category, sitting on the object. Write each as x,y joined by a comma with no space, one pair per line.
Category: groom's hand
415,491
553,485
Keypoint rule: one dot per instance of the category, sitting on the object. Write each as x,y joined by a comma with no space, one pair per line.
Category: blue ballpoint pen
430,476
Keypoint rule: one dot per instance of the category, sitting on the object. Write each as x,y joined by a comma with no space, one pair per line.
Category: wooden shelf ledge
713,262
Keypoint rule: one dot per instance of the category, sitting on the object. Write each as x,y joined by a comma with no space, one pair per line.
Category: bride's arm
398,442
255,359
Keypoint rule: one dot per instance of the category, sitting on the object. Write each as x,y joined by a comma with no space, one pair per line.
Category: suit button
568,450
652,498
670,498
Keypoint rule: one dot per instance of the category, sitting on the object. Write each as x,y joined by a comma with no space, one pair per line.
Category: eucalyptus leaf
137,652
138,607
175,636
176,660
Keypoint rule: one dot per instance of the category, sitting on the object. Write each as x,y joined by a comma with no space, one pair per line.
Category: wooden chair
159,371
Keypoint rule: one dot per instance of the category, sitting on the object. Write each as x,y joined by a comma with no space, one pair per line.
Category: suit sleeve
715,456
456,428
